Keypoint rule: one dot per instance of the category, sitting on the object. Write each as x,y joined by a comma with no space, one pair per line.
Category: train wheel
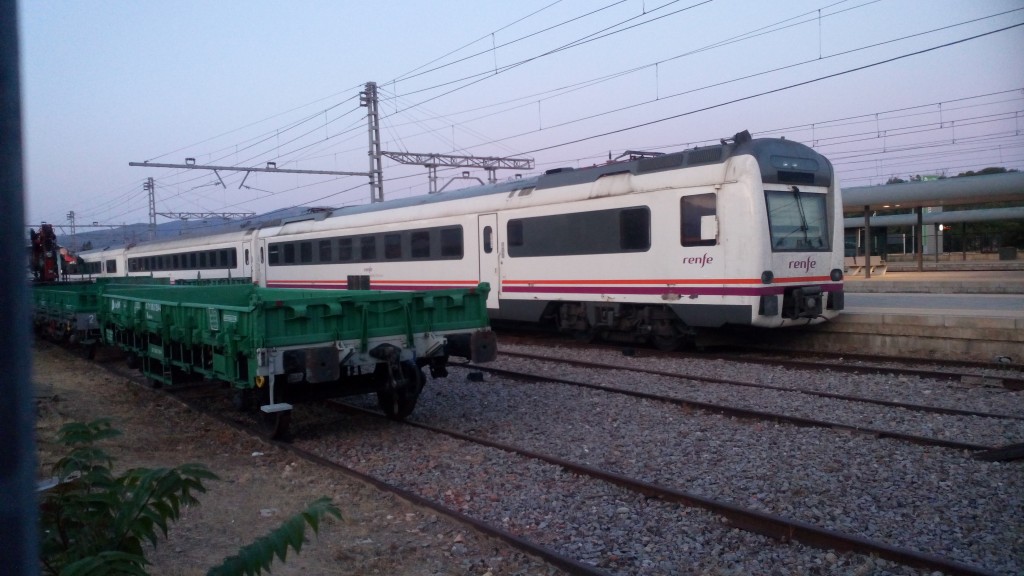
276,424
398,399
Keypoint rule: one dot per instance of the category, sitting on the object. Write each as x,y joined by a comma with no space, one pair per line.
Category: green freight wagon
68,312
276,346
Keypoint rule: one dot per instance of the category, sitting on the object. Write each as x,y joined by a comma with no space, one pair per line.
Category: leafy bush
94,522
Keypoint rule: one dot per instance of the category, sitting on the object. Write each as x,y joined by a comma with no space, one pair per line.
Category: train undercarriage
632,323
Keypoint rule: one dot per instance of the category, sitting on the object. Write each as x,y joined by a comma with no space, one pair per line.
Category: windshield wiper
803,217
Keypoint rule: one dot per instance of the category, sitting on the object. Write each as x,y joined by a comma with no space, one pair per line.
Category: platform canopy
1006,187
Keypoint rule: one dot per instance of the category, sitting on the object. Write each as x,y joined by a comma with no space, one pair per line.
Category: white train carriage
746,232
101,263
218,256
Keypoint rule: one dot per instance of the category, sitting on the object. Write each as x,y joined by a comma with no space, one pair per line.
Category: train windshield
797,221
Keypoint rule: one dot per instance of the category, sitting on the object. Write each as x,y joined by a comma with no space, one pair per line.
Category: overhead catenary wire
319,147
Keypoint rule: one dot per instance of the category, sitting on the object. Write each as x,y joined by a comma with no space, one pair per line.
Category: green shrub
94,522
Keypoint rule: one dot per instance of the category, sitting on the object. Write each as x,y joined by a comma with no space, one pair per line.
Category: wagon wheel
397,399
276,424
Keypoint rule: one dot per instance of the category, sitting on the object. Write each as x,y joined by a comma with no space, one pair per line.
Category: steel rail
566,563
771,525
862,399
740,412
1010,383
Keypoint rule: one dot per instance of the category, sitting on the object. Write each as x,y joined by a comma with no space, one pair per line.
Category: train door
247,259
490,256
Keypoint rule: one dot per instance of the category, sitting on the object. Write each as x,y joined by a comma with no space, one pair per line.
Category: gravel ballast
934,500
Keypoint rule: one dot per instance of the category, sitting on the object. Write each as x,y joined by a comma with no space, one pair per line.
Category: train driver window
488,239
691,209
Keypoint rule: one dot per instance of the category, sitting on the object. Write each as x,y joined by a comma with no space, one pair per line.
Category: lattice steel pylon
368,98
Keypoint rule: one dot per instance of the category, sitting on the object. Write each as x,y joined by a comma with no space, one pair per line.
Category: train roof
764,149
640,163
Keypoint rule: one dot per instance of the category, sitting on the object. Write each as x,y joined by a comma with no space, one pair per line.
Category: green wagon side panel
245,317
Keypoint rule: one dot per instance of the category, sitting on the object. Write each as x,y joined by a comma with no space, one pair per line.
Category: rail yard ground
261,485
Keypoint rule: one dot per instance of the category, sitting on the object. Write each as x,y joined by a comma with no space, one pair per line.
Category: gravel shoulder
260,486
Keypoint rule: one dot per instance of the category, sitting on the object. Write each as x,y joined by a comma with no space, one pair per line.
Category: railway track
966,373
776,527
725,401
380,466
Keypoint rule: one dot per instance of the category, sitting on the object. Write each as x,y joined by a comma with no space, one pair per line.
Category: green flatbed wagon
277,346
68,312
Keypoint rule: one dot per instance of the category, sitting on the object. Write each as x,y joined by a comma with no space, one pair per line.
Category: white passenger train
748,232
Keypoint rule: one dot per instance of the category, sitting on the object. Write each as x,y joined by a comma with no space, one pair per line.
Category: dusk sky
883,88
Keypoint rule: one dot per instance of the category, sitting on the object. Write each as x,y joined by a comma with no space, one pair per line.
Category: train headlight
767,277
836,275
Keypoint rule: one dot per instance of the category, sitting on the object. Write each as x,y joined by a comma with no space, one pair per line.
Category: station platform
978,281
966,315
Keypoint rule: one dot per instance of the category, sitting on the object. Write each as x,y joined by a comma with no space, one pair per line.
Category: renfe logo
807,264
702,260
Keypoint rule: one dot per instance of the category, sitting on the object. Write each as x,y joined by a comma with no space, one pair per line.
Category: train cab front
782,305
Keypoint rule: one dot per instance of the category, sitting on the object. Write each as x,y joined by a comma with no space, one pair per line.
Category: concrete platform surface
940,282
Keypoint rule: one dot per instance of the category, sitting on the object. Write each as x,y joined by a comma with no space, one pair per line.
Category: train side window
232,258
275,254
289,253
111,266
344,249
193,260
325,251
635,229
420,244
392,246
488,240
176,262
305,252
368,248
451,243
691,209
515,233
